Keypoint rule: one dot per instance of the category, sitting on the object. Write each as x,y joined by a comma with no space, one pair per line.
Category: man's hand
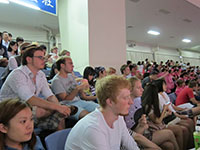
64,110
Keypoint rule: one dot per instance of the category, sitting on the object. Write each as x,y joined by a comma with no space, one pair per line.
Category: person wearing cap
153,76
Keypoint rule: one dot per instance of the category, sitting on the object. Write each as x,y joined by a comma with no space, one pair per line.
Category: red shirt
184,96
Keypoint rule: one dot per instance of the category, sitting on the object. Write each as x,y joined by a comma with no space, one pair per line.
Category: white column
94,31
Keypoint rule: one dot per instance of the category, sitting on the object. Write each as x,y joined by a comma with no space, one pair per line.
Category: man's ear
109,102
62,65
3,128
28,59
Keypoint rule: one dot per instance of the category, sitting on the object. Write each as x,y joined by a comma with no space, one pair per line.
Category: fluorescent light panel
186,40
4,1
153,32
25,4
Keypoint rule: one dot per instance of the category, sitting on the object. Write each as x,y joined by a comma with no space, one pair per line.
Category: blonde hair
108,87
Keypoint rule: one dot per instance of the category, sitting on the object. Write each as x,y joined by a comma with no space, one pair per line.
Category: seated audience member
5,41
3,54
153,76
89,74
125,71
111,71
104,128
187,95
185,123
180,86
64,53
16,126
155,116
136,122
27,82
9,37
100,72
12,49
67,90
14,62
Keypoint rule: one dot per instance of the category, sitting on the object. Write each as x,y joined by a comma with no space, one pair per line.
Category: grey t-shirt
64,85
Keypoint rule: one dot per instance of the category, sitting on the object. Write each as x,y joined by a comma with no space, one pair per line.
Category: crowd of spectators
99,97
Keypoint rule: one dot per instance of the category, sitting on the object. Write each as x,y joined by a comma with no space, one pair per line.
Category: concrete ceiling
175,19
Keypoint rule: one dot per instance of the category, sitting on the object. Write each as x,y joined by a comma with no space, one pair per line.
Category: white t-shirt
163,100
93,133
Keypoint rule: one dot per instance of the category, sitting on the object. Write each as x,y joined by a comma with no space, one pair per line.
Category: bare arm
145,142
55,106
87,98
194,101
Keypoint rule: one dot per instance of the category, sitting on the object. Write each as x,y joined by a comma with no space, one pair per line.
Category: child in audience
16,126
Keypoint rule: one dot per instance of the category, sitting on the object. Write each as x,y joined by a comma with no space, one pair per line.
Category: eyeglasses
40,57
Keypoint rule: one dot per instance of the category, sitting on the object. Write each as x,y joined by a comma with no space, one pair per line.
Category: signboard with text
49,6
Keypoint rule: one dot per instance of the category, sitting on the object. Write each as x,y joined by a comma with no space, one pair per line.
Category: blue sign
49,6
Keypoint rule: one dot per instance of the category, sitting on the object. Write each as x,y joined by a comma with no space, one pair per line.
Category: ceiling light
186,40
153,32
25,4
4,1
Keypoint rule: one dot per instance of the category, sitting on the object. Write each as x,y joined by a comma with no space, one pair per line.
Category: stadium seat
56,141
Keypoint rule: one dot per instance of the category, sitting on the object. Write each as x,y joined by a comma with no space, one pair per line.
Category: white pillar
94,31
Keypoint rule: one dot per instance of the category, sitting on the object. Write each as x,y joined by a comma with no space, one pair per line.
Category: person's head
100,72
125,69
111,71
65,64
64,53
9,37
136,87
54,50
44,48
23,47
150,100
34,57
128,62
133,67
5,36
88,73
180,83
13,47
113,92
16,123
193,84
154,74
160,84
19,40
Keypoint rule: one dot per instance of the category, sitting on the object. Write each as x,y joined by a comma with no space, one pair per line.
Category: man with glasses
27,82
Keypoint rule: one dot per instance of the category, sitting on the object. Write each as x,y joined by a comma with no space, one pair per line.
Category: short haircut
19,39
63,52
60,61
123,67
108,87
132,81
29,52
9,34
192,84
179,82
43,47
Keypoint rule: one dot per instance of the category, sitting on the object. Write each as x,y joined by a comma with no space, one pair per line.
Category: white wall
28,33
140,52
